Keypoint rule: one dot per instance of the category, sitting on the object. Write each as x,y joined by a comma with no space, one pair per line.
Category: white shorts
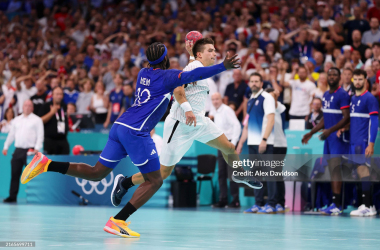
178,138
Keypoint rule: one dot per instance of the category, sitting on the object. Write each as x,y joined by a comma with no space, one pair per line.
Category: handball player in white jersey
187,122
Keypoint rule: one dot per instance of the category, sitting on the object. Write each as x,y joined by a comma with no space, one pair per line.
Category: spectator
129,98
28,133
347,81
358,45
358,23
374,11
55,124
325,22
84,99
316,114
72,109
25,90
302,91
116,101
70,93
80,33
375,54
109,76
99,103
225,118
372,35
235,92
322,86
5,125
355,58
39,98
265,39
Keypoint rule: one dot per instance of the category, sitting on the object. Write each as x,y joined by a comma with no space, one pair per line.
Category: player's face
255,84
333,77
208,55
359,82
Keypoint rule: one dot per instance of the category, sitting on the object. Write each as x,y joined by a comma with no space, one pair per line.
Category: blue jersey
153,92
70,96
361,108
333,104
116,101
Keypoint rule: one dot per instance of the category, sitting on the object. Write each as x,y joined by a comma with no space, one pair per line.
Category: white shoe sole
246,183
115,182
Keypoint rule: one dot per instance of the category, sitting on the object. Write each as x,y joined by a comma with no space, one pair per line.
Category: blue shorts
140,147
357,154
335,146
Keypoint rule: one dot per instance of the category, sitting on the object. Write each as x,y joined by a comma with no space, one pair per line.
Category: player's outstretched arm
206,72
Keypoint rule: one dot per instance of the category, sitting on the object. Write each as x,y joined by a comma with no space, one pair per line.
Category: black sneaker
118,190
234,204
250,181
220,204
9,200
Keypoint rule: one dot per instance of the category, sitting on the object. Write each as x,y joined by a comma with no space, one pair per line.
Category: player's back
361,108
333,104
153,92
196,95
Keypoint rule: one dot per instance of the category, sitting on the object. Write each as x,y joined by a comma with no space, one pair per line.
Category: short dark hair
348,70
335,68
376,44
256,74
358,72
199,45
269,90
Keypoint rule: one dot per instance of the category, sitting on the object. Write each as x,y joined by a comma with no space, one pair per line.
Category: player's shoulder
193,65
369,96
266,95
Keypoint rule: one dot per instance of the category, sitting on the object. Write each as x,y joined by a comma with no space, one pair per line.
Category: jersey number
142,96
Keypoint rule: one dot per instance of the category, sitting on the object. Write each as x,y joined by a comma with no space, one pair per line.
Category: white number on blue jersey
142,97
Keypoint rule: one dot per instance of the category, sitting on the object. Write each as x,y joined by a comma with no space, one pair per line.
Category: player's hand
6,151
231,62
340,132
324,134
262,147
239,148
189,47
306,138
190,118
369,150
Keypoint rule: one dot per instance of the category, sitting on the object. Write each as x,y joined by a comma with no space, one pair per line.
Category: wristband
192,58
186,107
264,139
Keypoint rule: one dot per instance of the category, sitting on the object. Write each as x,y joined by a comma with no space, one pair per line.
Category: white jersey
196,95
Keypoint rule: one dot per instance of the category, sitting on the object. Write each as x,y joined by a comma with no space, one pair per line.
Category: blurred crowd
94,49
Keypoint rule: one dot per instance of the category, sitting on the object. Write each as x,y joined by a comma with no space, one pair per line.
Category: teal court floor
75,227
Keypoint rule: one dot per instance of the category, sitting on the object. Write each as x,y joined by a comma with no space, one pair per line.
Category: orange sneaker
120,228
37,166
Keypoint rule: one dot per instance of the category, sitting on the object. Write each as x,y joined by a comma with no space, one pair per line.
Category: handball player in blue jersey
336,115
364,121
130,134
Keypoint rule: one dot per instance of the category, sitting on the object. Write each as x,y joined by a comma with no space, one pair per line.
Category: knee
230,149
156,182
166,173
98,175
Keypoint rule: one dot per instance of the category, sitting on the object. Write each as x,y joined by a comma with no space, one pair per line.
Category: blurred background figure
27,131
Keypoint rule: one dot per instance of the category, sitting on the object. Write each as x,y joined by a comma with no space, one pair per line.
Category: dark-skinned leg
81,170
153,181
